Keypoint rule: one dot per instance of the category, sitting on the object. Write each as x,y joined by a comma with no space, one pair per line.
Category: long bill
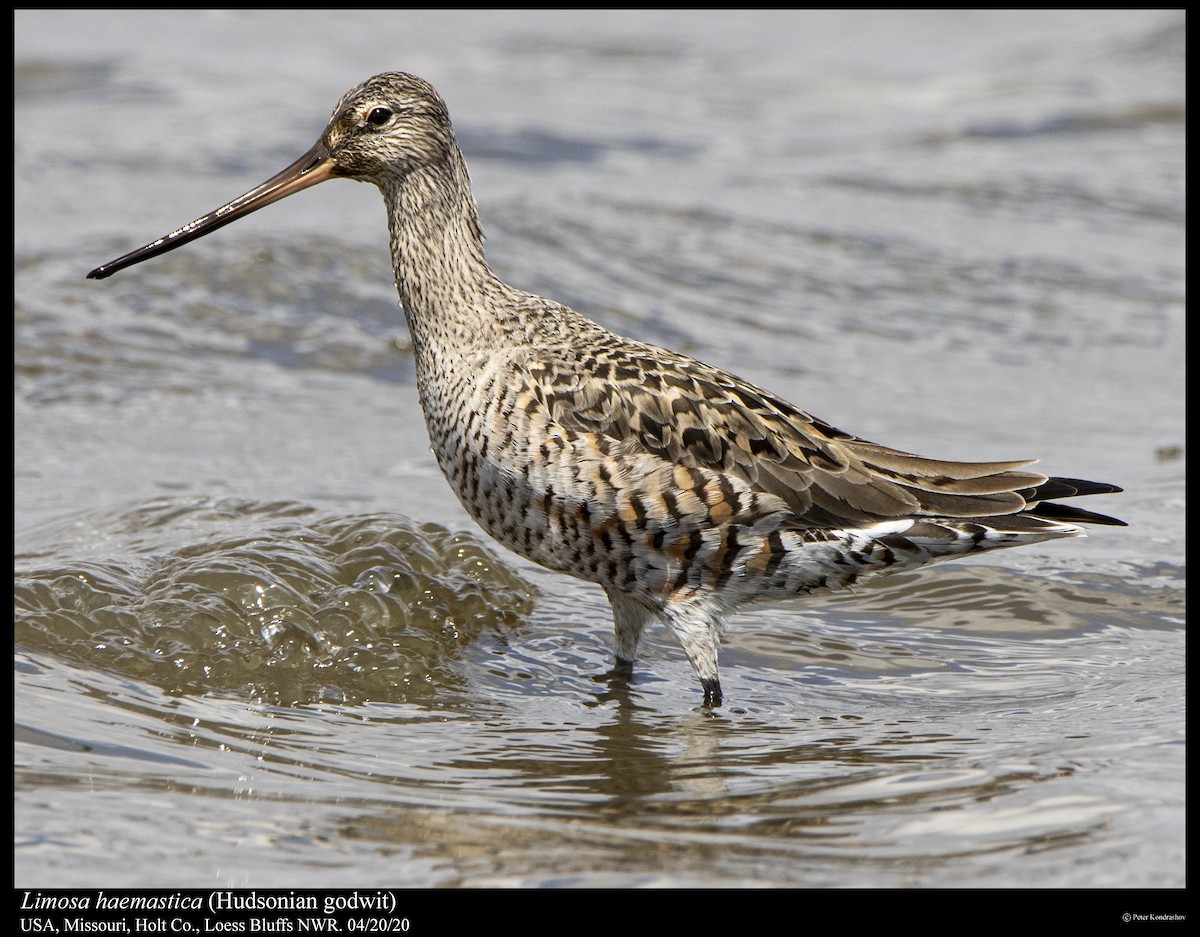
314,166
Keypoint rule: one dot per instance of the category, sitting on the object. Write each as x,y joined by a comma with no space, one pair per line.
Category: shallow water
257,641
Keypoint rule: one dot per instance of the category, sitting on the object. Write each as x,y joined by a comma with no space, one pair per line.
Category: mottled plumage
680,489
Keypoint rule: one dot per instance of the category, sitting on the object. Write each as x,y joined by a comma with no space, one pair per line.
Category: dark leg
622,669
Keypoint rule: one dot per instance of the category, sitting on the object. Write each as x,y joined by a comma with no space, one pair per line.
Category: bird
683,491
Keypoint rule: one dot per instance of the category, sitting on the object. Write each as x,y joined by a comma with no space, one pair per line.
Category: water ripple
276,602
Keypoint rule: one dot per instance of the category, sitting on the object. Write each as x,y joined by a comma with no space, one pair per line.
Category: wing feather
649,400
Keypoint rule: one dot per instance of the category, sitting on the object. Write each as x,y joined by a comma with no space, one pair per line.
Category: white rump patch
884,527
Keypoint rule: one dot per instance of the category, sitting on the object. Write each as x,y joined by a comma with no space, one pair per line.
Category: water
258,643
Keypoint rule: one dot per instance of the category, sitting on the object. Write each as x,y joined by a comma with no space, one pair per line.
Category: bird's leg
629,622
697,625
620,673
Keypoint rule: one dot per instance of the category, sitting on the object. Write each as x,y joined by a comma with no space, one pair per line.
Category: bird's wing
648,400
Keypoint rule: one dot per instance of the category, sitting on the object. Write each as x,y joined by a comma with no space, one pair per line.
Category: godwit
682,490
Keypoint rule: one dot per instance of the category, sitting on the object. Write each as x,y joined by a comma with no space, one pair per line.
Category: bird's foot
622,670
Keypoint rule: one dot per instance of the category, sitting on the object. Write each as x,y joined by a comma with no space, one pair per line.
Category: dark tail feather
1070,515
1069,488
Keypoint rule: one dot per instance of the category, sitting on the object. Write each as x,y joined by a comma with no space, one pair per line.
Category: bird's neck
451,299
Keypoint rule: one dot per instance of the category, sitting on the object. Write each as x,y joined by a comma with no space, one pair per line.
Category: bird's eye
379,116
